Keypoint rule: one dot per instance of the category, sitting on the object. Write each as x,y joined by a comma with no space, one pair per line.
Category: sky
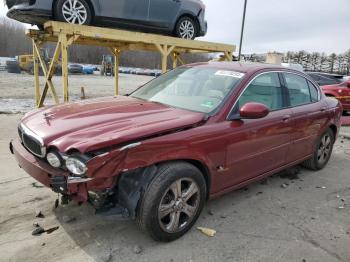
279,25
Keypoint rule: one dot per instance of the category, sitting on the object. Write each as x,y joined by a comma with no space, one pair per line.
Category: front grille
31,143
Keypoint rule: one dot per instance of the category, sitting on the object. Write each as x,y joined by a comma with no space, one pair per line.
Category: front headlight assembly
54,159
76,166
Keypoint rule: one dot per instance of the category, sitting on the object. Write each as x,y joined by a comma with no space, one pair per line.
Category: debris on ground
341,207
321,187
210,212
50,230
207,231
223,216
43,244
259,193
35,184
68,219
137,249
284,185
39,214
38,231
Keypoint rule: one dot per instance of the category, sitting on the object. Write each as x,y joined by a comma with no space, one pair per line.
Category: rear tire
322,153
81,13
172,202
187,28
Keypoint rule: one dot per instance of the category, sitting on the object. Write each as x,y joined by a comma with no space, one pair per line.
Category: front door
131,10
164,12
257,146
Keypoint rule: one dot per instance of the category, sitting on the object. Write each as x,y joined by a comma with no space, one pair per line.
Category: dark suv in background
324,79
181,18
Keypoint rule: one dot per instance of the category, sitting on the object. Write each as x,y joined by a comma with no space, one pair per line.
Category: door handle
286,118
323,109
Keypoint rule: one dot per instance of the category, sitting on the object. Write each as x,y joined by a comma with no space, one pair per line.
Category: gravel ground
17,90
306,219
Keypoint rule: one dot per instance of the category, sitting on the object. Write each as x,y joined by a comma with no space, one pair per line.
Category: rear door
164,12
257,146
131,10
308,115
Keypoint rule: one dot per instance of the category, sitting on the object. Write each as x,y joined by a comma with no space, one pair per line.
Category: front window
191,88
265,89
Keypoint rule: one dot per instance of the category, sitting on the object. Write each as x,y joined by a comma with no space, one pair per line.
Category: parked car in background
75,69
326,79
339,91
181,18
88,70
3,61
191,134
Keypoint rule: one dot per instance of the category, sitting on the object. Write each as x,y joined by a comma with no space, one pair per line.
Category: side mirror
253,111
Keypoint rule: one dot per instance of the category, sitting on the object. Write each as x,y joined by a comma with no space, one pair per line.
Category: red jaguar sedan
192,134
340,92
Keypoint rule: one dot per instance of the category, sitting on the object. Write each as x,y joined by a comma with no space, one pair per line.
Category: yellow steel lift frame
117,41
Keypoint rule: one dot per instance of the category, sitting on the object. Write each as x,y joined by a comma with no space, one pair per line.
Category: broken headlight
76,166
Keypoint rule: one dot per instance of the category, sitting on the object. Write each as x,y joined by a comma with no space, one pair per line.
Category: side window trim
317,89
285,93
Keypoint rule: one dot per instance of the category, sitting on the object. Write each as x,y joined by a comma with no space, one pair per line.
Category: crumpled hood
98,123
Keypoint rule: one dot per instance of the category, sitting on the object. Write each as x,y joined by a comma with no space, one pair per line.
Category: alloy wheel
179,205
324,149
186,29
74,12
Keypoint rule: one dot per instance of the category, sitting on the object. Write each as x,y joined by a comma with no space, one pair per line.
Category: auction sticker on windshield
229,73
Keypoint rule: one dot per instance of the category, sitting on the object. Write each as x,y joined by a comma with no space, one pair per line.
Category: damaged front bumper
117,194
59,181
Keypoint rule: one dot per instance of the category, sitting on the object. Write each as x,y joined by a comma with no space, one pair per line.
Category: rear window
298,88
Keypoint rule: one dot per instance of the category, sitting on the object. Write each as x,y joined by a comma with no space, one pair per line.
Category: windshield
191,88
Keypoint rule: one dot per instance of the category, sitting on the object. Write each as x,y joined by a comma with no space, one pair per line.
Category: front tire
186,28
172,201
323,151
73,12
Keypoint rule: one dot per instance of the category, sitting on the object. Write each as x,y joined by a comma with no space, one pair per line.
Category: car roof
243,67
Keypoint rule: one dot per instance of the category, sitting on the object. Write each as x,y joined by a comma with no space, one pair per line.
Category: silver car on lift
181,18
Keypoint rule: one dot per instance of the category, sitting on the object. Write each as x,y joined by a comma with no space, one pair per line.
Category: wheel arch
203,168
132,184
190,15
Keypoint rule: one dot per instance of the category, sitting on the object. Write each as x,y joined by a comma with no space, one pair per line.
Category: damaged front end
123,199
105,185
